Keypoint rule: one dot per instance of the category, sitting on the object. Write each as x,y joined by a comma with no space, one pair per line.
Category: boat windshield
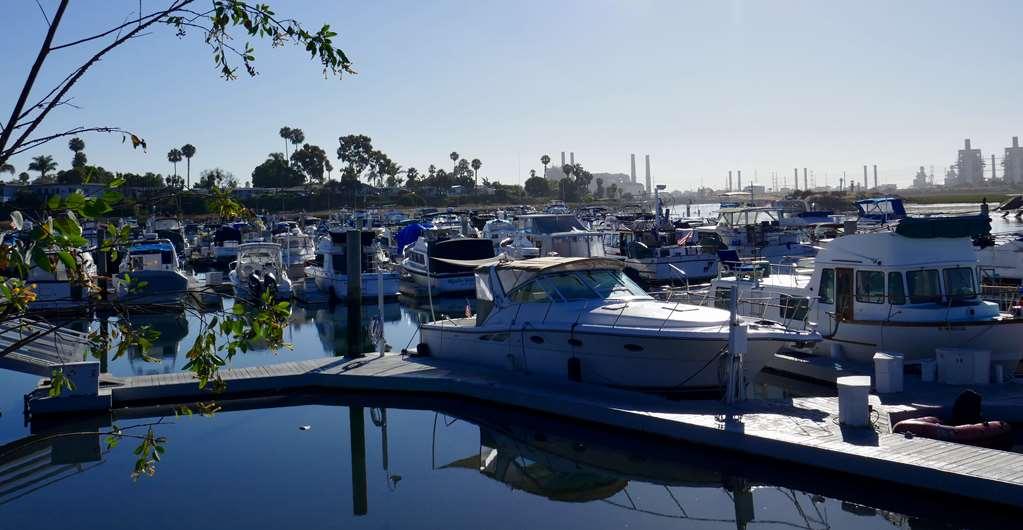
575,286
923,286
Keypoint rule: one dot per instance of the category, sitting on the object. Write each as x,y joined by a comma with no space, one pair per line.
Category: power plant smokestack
562,158
806,181
739,179
649,188
1015,141
967,143
632,161
571,158
993,174
729,181
795,177
865,182
875,176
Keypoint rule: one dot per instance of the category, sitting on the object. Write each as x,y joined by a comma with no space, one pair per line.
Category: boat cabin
880,210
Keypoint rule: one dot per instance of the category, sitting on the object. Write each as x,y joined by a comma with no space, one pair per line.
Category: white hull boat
583,319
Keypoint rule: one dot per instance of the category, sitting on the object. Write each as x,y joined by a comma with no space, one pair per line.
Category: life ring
991,434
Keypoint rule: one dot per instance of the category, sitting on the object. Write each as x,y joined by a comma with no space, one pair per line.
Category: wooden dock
799,430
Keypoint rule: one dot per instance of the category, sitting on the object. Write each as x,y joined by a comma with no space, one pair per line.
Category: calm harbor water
380,461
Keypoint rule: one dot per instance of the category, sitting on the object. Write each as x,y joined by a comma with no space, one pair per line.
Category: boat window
896,290
923,286
569,287
723,298
870,287
531,292
827,287
793,307
611,284
959,283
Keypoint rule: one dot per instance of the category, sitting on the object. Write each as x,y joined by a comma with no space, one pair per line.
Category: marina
531,265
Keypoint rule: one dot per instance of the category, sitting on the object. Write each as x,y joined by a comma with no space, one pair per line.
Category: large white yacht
297,250
757,232
58,291
331,275
509,239
909,291
583,319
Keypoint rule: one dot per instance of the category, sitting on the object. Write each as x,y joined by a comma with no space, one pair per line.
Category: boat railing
1006,296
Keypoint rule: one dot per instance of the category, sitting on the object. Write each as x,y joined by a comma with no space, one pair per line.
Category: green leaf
53,202
76,200
119,181
68,260
112,196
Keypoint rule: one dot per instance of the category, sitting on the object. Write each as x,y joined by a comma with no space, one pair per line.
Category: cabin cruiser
426,264
298,250
584,319
909,291
756,232
172,230
663,253
561,235
331,271
880,210
556,208
259,268
509,239
59,291
150,273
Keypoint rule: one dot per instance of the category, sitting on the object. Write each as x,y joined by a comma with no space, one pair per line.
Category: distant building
1013,164
969,167
920,180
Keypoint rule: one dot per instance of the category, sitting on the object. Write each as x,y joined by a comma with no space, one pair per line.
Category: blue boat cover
143,248
408,235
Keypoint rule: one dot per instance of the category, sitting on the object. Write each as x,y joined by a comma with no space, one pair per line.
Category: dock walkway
800,430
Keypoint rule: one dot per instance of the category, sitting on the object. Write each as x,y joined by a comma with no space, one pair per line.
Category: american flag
685,238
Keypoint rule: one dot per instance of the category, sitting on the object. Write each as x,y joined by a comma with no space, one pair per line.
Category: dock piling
354,301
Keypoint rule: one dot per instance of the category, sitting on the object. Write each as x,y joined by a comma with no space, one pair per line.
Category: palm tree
76,145
296,137
532,173
454,159
432,170
545,159
476,164
285,133
23,177
43,164
567,169
7,168
328,168
188,150
174,156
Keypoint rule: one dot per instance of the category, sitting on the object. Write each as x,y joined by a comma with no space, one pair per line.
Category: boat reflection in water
331,323
162,355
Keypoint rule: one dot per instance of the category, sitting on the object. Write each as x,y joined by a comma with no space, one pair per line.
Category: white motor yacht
561,235
664,253
756,232
331,274
259,267
908,291
509,239
297,248
583,319
426,272
150,273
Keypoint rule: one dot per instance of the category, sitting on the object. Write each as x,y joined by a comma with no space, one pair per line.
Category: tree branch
44,50
6,153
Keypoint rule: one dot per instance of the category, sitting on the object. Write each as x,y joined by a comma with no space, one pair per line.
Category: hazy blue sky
703,87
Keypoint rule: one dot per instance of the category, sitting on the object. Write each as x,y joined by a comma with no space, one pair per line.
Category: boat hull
438,284
338,285
860,340
664,361
696,267
161,287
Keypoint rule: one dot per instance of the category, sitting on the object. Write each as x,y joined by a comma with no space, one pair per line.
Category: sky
703,87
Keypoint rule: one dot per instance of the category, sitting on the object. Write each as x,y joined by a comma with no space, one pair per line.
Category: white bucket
853,400
888,372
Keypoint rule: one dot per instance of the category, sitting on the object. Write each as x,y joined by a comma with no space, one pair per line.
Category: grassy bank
993,199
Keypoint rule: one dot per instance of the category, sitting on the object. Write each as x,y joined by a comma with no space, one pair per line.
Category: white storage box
853,396
961,366
928,370
888,372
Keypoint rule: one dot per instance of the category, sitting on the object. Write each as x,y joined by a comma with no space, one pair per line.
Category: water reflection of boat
173,328
332,324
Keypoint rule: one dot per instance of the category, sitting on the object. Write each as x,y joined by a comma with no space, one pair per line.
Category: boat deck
804,431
